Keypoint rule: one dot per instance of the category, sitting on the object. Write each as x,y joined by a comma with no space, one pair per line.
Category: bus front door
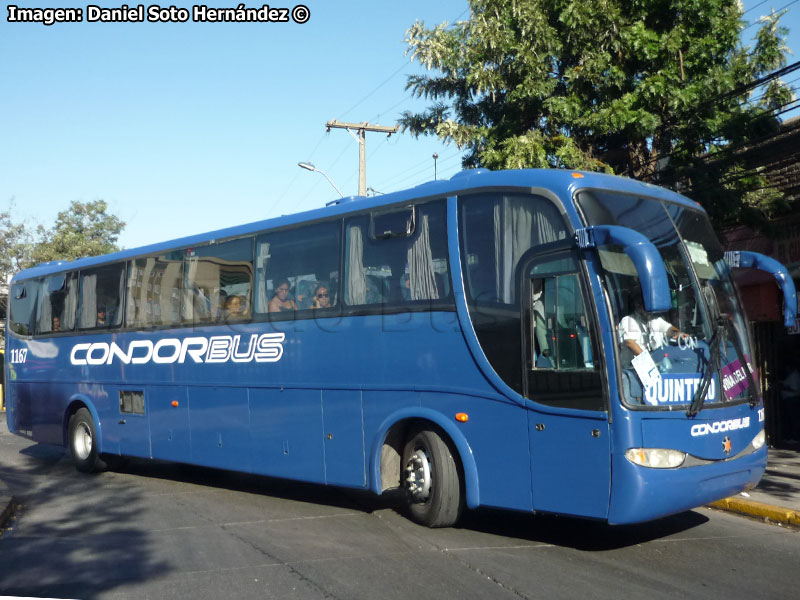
567,413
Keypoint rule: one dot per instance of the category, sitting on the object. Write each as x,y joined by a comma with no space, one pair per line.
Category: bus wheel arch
436,444
83,442
433,478
82,436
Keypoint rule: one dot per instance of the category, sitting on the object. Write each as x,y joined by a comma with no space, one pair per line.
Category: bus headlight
656,458
759,440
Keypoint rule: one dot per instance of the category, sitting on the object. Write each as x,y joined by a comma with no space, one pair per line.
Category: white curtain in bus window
101,296
88,316
520,224
422,282
356,274
155,286
262,261
497,231
59,300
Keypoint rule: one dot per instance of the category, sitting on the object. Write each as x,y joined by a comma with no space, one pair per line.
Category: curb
776,514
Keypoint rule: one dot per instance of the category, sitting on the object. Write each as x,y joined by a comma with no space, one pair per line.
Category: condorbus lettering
128,357
267,347
78,348
169,358
196,354
237,355
97,353
700,429
219,349
270,347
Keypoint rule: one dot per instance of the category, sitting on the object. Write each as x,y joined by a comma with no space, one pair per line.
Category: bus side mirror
645,256
745,259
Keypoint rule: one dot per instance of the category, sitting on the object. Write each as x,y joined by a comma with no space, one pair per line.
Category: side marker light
174,404
462,417
577,176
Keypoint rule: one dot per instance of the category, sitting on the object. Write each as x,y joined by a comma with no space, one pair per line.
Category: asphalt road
155,530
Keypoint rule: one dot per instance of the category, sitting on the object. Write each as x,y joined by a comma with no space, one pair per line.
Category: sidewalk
777,496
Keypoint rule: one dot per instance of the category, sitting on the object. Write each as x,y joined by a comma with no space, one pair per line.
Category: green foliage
16,244
85,229
644,88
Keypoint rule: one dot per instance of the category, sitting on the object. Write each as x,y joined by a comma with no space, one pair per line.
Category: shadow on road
71,535
581,534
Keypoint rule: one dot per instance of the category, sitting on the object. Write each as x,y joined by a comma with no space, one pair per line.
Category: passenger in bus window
281,301
322,298
101,316
56,324
234,308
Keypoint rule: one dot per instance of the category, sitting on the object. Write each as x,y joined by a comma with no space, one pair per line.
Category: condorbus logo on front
266,347
720,426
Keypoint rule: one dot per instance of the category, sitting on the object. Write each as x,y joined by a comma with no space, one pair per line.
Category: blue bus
467,342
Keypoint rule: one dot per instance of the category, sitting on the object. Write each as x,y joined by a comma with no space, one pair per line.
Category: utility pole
361,137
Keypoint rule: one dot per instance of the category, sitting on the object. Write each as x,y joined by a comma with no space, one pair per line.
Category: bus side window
58,303
155,286
24,297
560,327
398,257
215,273
101,293
308,258
562,368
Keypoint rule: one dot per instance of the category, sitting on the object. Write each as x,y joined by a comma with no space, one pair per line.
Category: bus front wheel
432,480
83,442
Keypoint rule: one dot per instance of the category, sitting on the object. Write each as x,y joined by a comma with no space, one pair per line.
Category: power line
379,86
756,83
775,12
755,7
738,176
412,171
408,175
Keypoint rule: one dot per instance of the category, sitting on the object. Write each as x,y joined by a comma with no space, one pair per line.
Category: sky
189,127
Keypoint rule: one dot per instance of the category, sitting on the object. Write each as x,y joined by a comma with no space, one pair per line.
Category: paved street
162,530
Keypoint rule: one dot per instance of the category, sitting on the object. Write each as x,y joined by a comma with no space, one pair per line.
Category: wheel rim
419,476
82,441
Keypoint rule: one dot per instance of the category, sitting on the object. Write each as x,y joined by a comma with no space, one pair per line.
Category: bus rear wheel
83,442
432,480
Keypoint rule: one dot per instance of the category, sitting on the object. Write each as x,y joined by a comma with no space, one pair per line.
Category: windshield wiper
713,365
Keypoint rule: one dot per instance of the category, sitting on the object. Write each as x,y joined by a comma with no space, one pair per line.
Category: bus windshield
701,343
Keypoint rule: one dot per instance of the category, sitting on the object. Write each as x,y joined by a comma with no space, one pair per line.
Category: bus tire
83,442
432,480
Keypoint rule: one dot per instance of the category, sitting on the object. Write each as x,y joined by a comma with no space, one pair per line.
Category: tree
651,89
84,229
16,245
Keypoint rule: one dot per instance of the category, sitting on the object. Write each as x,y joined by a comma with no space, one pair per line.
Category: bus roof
563,182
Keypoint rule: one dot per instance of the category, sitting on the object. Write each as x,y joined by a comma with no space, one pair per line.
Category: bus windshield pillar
645,256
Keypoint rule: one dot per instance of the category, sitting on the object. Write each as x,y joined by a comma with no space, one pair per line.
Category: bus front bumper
641,494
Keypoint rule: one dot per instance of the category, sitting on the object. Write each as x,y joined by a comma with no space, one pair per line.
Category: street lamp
435,158
310,167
